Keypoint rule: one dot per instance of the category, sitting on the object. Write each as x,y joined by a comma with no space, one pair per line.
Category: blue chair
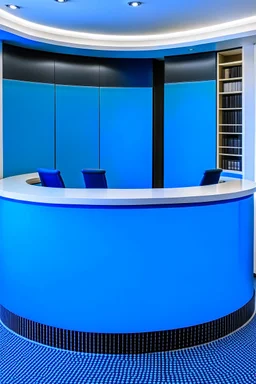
94,178
50,178
211,176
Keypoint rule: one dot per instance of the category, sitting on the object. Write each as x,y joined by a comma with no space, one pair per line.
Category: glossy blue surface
126,136
77,132
189,132
126,269
28,127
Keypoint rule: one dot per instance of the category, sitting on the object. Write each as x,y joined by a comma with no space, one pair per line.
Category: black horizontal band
128,343
188,68
46,67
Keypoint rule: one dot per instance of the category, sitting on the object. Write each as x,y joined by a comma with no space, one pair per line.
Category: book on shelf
231,128
233,72
232,165
228,141
232,101
233,86
232,117
231,151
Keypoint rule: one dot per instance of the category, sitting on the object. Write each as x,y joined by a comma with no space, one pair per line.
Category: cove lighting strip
42,33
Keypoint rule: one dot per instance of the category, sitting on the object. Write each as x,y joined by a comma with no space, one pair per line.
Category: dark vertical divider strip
55,118
158,124
99,114
217,111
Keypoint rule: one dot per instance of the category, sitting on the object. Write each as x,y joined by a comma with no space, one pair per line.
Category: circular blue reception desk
125,271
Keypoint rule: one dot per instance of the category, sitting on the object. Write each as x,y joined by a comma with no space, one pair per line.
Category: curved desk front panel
126,269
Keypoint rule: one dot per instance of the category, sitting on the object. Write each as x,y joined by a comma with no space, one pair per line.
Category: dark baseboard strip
134,343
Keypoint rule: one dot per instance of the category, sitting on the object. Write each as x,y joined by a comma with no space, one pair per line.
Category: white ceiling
116,17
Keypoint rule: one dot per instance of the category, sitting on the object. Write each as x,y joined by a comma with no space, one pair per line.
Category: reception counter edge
21,188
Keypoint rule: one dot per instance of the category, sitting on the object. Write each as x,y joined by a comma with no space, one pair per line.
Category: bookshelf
230,110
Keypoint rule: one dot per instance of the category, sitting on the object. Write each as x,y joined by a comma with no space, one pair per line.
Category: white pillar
249,123
249,112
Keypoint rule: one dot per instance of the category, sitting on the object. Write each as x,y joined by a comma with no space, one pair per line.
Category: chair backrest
50,178
94,178
211,176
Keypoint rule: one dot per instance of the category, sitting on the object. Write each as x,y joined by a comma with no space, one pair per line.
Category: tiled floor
230,360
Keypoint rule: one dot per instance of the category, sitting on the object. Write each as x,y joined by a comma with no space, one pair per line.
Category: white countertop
17,188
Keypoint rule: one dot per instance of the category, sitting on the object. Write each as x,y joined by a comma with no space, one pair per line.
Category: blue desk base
126,279
128,343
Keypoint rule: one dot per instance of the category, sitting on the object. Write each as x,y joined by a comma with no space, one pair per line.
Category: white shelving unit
229,114
230,63
234,78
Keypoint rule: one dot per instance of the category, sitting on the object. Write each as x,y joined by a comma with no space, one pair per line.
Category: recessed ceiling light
61,1
135,3
12,6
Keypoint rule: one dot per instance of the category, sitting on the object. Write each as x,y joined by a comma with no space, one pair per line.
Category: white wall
249,123
249,111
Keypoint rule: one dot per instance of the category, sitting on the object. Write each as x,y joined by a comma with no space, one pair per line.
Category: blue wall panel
77,132
28,126
126,136
189,132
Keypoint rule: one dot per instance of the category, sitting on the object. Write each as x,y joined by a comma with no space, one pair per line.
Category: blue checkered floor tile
231,360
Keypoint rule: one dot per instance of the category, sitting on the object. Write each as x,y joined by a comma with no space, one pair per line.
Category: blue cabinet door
28,126
189,132
77,132
126,136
